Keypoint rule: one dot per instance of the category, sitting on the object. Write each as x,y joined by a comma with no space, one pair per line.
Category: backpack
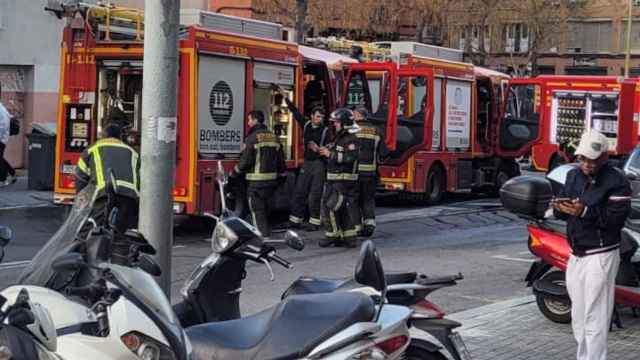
14,127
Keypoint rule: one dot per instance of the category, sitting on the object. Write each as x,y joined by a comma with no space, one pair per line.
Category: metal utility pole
627,58
159,99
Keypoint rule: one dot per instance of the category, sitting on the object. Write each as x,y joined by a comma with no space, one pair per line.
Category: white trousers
591,286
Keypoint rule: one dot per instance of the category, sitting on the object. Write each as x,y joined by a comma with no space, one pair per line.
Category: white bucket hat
592,145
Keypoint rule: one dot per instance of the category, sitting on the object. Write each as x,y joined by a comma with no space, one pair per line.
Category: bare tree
430,16
361,19
547,23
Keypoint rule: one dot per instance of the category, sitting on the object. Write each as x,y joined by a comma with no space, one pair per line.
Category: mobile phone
561,199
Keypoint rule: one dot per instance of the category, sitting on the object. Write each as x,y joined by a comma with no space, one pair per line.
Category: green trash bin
42,156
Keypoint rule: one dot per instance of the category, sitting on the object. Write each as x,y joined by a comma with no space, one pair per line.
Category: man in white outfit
595,201
7,173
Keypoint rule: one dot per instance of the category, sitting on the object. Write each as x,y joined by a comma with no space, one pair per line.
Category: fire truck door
519,126
362,89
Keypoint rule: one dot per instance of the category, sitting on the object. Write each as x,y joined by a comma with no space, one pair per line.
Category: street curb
486,313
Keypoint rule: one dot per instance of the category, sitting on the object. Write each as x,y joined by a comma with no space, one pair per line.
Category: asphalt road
467,234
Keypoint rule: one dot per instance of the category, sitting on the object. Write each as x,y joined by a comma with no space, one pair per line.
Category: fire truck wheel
505,172
436,185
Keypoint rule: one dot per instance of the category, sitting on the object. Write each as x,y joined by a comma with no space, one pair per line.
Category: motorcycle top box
526,195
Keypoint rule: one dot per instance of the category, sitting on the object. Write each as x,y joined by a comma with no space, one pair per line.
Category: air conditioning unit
232,24
423,50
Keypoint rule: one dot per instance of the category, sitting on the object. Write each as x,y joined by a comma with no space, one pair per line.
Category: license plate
456,339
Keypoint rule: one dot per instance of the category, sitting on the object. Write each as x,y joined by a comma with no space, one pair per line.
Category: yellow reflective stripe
126,184
266,144
256,165
367,136
314,221
367,167
350,233
262,176
253,214
95,151
334,226
83,167
351,177
295,219
134,168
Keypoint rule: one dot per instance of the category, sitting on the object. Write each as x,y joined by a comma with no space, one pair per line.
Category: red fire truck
444,122
222,76
571,104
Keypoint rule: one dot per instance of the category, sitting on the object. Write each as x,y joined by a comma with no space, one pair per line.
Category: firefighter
372,150
340,209
308,191
108,157
262,162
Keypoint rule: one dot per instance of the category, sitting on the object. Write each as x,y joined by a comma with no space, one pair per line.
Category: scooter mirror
294,240
150,266
369,271
5,236
71,261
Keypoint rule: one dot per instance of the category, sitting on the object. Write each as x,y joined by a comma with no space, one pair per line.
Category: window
635,35
590,37
516,38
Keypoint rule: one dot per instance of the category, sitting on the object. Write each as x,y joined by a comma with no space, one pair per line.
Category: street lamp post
159,99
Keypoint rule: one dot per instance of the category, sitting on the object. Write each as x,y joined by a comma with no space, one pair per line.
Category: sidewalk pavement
517,330
19,196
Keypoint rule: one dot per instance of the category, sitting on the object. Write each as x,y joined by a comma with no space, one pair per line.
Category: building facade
592,41
29,67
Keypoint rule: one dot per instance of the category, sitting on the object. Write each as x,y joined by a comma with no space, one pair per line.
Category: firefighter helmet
344,116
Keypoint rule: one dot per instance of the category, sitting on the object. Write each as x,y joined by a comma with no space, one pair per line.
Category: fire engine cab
568,105
224,73
444,122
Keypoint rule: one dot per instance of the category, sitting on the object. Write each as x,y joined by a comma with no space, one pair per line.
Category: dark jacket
342,165
106,155
262,159
604,216
317,134
372,149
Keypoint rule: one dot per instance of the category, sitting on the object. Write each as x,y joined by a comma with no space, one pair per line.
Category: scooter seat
289,330
558,226
311,285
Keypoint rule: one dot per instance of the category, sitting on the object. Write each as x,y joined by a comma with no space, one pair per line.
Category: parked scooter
336,326
407,289
117,312
26,328
529,198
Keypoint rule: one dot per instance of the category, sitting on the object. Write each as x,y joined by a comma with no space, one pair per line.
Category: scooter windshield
39,271
141,289
144,287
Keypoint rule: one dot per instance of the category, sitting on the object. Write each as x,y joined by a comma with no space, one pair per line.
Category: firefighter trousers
340,224
367,203
260,194
308,192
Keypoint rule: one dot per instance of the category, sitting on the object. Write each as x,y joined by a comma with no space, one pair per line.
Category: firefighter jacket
318,134
342,165
108,156
372,149
262,158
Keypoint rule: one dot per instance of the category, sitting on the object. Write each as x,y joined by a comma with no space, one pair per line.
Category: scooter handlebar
281,261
